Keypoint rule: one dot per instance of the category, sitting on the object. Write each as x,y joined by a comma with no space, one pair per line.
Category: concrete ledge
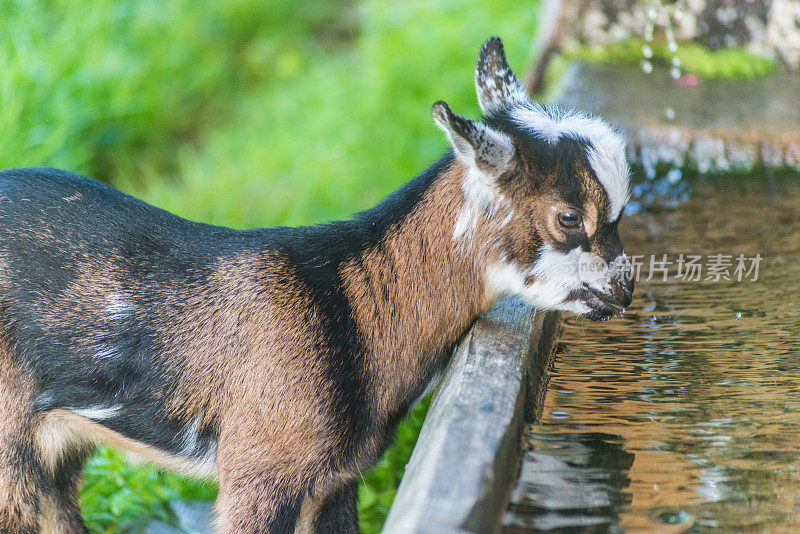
467,454
712,125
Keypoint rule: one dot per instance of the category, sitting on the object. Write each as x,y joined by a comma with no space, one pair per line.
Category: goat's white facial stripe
609,164
606,154
555,276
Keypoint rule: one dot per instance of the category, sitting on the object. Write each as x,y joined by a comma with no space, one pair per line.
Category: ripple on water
685,413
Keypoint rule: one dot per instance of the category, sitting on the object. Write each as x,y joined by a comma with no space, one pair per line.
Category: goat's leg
257,492
61,513
23,479
252,503
334,511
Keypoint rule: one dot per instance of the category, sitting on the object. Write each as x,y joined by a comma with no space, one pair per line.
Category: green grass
120,86
243,113
346,128
118,496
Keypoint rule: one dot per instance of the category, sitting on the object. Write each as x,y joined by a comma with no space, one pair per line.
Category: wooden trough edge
467,455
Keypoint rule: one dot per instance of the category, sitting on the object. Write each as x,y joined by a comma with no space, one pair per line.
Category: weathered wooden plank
467,453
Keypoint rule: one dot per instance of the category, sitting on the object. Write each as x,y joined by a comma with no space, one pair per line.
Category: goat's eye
568,219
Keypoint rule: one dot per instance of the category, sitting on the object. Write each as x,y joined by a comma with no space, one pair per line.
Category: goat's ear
477,145
495,82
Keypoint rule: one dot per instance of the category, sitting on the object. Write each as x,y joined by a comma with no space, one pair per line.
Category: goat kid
281,360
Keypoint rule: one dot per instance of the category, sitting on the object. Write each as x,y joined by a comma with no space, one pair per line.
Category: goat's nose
622,291
625,294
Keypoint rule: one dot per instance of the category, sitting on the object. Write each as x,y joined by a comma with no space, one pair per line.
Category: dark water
684,415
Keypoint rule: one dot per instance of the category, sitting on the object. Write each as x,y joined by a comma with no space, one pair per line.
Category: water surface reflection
684,415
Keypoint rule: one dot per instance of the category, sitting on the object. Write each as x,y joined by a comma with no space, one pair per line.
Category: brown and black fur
278,360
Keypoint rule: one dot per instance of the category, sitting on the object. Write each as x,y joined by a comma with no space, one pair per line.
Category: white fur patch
466,221
200,458
105,353
479,197
606,155
482,202
555,276
189,439
205,465
617,269
98,412
117,306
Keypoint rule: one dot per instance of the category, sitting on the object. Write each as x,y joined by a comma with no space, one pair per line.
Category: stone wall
768,28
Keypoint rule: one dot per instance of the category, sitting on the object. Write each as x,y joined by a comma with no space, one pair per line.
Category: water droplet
647,67
647,52
675,73
650,170
669,113
676,518
673,47
651,13
676,62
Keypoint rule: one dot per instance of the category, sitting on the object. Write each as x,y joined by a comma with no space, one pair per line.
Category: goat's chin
602,314
585,303
591,311
593,305
601,310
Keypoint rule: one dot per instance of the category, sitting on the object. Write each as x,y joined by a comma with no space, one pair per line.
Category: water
665,11
684,415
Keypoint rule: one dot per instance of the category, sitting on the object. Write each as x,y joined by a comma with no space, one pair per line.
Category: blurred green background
243,113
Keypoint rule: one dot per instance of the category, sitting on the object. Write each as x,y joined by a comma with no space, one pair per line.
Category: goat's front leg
332,511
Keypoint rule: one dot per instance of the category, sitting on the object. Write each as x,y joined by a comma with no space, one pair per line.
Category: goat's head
544,191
